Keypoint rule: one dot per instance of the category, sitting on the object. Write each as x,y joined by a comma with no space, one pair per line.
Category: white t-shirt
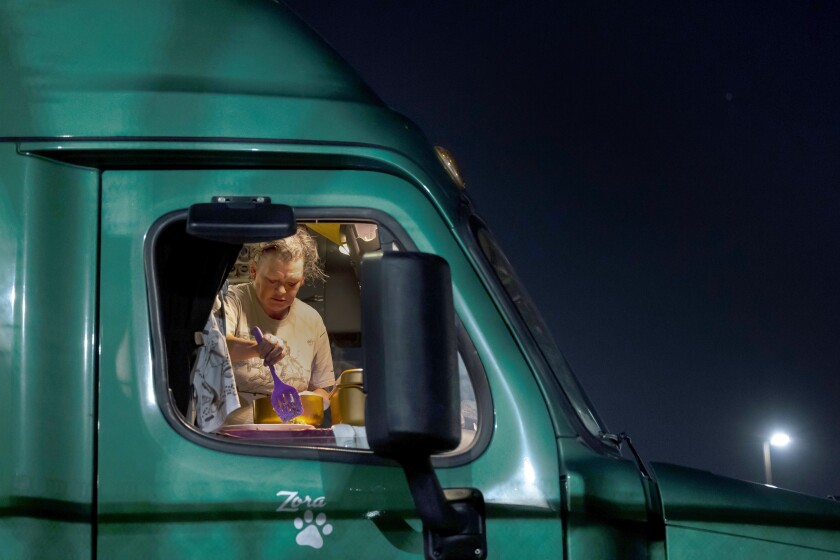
308,363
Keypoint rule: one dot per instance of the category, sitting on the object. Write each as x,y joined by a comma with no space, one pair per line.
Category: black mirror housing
411,367
241,219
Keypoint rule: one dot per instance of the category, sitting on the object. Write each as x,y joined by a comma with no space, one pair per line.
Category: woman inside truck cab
295,337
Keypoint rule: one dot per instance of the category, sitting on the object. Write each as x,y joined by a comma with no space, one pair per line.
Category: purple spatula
284,398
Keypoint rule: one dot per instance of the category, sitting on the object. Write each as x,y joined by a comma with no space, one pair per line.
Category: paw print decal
310,530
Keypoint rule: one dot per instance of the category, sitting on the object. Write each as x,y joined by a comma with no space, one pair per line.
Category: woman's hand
271,349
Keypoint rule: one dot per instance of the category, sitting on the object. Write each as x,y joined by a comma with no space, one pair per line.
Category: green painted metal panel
608,508
161,494
692,544
158,54
186,69
750,519
44,539
48,255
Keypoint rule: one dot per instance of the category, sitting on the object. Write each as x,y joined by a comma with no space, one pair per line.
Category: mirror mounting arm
453,518
432,506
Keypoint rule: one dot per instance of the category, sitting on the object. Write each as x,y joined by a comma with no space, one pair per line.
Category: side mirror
411,360
412,409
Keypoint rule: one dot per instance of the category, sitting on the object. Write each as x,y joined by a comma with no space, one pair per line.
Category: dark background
666,181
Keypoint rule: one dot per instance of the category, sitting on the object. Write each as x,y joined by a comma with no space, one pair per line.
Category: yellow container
313,411
347,401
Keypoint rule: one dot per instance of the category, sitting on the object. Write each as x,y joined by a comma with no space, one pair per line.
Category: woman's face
277,283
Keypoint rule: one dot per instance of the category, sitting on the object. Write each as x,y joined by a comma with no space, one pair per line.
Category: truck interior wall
193,272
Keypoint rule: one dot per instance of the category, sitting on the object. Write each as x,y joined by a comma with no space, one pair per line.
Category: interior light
344,249
366,232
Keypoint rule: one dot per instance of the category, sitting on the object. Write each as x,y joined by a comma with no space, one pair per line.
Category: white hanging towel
214,394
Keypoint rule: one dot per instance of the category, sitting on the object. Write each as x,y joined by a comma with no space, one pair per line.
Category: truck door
167,489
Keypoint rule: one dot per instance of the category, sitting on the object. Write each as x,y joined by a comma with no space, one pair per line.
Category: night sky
666,180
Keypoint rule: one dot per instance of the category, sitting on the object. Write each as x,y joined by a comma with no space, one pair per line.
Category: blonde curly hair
297,246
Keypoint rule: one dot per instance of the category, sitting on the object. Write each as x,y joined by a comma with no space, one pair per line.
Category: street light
778,439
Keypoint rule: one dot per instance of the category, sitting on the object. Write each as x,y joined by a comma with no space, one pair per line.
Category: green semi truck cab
120,123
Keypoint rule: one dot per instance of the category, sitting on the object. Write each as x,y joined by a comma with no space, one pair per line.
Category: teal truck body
115,120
